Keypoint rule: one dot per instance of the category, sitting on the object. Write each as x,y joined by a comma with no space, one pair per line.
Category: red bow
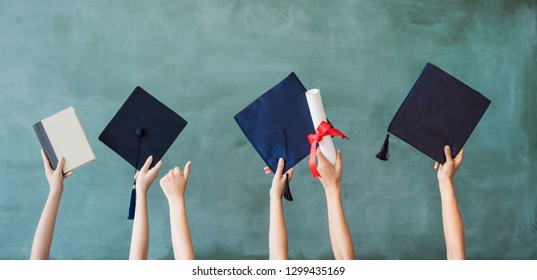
324,129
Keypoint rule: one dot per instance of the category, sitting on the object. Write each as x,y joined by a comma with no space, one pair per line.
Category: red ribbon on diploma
324,129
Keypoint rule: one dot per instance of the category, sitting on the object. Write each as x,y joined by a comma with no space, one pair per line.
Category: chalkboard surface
208,59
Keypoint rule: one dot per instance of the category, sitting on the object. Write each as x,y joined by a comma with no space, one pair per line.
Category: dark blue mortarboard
143,126
278,123
439,110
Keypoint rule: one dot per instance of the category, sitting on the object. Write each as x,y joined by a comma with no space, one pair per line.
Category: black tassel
287,190
384,152
132,206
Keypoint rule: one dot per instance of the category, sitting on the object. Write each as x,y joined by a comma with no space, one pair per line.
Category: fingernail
446,147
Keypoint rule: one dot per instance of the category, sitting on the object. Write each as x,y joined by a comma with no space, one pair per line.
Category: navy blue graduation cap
143,126
439,110
277,124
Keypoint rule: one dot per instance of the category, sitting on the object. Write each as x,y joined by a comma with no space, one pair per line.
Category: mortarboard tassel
287,190
384,151
132,205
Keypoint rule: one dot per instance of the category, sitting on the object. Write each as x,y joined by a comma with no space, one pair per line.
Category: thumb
321,157
458,159
147,163
447,153
281,164
157,166
339,160
61,164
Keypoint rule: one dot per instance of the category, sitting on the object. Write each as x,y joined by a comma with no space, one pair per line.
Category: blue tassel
132,205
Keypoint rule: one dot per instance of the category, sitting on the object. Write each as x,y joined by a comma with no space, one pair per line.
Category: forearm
140,229
277,231
340,236
181,240
45,228
452,222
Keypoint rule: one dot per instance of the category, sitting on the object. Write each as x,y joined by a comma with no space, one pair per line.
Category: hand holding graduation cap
278,181
446,171
278,249
451,215
146,176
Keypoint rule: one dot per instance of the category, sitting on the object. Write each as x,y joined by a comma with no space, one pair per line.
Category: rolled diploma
315,103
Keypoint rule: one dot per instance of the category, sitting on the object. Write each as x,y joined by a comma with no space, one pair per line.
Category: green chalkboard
208,59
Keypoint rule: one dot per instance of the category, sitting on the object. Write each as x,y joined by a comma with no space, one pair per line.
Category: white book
61,135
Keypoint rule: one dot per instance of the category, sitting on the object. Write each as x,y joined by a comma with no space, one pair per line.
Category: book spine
45,144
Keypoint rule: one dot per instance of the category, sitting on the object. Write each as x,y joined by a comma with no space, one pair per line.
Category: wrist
332,192
446,188
141,189
176,199
141,193
276,193
276,196
445,180
445,184
56,192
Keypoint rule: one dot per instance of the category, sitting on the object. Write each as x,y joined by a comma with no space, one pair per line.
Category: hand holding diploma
324,131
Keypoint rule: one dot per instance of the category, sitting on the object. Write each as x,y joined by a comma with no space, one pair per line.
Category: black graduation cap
278,123
439,110
143,126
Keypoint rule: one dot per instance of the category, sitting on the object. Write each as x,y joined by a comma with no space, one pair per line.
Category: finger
157,167
136,174
46,163
436,165
281,164
266,168
61,164
177,170
186,170
447,153
68,174
339,160
268,172
290,173
320,156
460,156
147,163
